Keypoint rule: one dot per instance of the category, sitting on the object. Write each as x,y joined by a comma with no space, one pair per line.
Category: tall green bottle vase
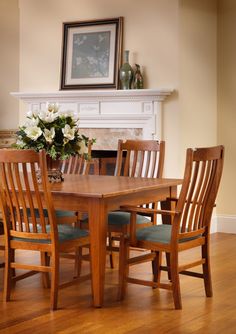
126,73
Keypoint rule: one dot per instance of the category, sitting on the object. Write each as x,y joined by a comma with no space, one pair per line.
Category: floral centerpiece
54,131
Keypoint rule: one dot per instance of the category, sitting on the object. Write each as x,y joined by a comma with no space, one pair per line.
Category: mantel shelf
94,95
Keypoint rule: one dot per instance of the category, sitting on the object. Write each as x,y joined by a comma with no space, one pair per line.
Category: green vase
126,73
138,78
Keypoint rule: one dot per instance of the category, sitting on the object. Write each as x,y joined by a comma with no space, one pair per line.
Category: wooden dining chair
21,194
76,165
135,158
190,227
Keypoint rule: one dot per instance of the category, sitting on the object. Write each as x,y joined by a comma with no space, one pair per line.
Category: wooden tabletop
99,186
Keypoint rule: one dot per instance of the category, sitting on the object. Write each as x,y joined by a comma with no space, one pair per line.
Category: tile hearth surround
107,115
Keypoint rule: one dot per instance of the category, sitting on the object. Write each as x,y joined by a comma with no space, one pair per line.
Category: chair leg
168,266
54,281
13,270
156,264
207,271
8,273
45,261
175,280
110,245
78,261
123,267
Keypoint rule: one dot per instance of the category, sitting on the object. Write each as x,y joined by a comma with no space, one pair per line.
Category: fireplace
107,115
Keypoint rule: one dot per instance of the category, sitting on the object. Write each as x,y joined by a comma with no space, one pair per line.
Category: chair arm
175,199
136,209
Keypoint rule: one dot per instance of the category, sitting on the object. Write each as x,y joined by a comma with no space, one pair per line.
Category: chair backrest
74,165
202,176
79,165
22,197
140,158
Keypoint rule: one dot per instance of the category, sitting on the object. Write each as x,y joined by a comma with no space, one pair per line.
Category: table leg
98,235
169,205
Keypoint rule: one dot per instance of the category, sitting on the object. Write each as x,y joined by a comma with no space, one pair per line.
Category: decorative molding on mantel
95,95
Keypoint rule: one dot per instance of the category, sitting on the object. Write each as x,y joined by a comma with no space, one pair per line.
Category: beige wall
9,63
198,73
227,102
175,41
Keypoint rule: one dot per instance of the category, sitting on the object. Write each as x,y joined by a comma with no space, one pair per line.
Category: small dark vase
126,73
53,170
138,78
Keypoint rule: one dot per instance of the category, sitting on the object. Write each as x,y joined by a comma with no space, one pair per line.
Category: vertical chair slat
21,198
127,164
211,176
8,195
141,161
38,201
200,199
134,164
188,200
14,195
30,199
147,163
196,198
154,166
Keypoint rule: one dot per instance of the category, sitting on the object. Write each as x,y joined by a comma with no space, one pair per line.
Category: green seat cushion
59,213
65,233
65,213
123,218
158,233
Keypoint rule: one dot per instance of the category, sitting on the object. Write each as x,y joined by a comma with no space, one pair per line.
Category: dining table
98,195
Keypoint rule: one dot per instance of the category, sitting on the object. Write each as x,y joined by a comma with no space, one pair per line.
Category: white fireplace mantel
95,95
107,109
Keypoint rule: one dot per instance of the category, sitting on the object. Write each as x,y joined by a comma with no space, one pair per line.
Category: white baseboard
223,223
214,224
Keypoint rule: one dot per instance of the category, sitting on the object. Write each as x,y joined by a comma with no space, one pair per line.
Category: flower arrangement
55,131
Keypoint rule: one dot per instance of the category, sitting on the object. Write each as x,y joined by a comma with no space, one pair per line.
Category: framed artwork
91,54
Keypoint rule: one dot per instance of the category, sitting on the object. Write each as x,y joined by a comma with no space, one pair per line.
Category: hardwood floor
144,310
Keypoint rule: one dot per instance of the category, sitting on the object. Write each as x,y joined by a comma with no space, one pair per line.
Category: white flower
69,132
33,132
83,149
69,113
48,116
49,134
32,113
52,107
32,122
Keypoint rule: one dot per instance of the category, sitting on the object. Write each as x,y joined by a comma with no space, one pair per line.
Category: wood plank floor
144,310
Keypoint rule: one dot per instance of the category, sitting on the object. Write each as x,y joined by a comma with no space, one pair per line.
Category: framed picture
91,54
